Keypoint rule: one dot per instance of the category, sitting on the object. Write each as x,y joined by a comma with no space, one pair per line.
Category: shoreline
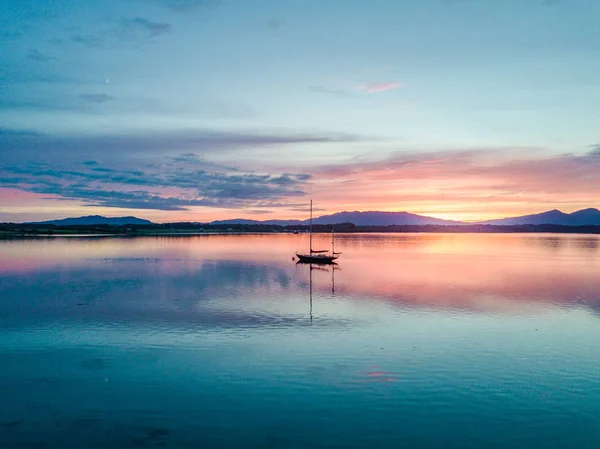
14,230
46,235
131,234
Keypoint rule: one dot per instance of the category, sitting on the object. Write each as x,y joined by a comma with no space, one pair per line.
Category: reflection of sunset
473,271
500,272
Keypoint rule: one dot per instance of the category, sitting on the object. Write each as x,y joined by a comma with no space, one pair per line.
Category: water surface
415,340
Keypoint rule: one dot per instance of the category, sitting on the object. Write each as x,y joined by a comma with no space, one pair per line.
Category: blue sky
265,89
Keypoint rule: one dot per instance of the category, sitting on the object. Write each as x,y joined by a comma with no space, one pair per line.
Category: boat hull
316,258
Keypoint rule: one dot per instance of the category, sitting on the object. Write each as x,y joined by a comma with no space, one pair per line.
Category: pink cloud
371,88
462,184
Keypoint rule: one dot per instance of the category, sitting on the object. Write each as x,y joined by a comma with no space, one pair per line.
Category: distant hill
373,218
589,216
585,217
92,220
580,218
358,218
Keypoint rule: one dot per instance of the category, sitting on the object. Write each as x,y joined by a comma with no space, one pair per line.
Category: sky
198,110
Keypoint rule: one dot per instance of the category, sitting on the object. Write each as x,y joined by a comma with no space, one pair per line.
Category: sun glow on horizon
383,134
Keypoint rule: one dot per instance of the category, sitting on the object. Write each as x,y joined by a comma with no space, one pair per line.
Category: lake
411,340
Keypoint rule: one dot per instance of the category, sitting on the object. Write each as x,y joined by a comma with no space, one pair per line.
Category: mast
310,228
333,239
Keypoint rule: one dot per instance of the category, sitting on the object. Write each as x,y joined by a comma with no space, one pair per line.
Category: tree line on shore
184,227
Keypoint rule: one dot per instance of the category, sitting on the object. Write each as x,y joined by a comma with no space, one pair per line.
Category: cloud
150,144
36,55
372,88
145,26
136,30
306,209
145,189
258,211
192,159
150,171
187,6
103,169
462,179
131,200
47,101
187,157
304,176
96,98
88,40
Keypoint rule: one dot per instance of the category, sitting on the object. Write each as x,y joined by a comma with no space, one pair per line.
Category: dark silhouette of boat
322,256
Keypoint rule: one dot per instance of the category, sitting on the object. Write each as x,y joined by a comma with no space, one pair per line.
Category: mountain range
93,220
554,217
372,218
580,218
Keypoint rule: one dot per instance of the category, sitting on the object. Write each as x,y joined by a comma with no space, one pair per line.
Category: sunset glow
438,108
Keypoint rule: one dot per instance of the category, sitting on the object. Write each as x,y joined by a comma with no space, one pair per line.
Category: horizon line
451,221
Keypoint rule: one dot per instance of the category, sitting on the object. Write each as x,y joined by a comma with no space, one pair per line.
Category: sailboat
318,256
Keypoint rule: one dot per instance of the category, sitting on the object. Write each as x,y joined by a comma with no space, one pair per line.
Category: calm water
430,341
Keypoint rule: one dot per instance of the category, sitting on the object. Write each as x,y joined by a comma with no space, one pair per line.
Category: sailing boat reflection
322,267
